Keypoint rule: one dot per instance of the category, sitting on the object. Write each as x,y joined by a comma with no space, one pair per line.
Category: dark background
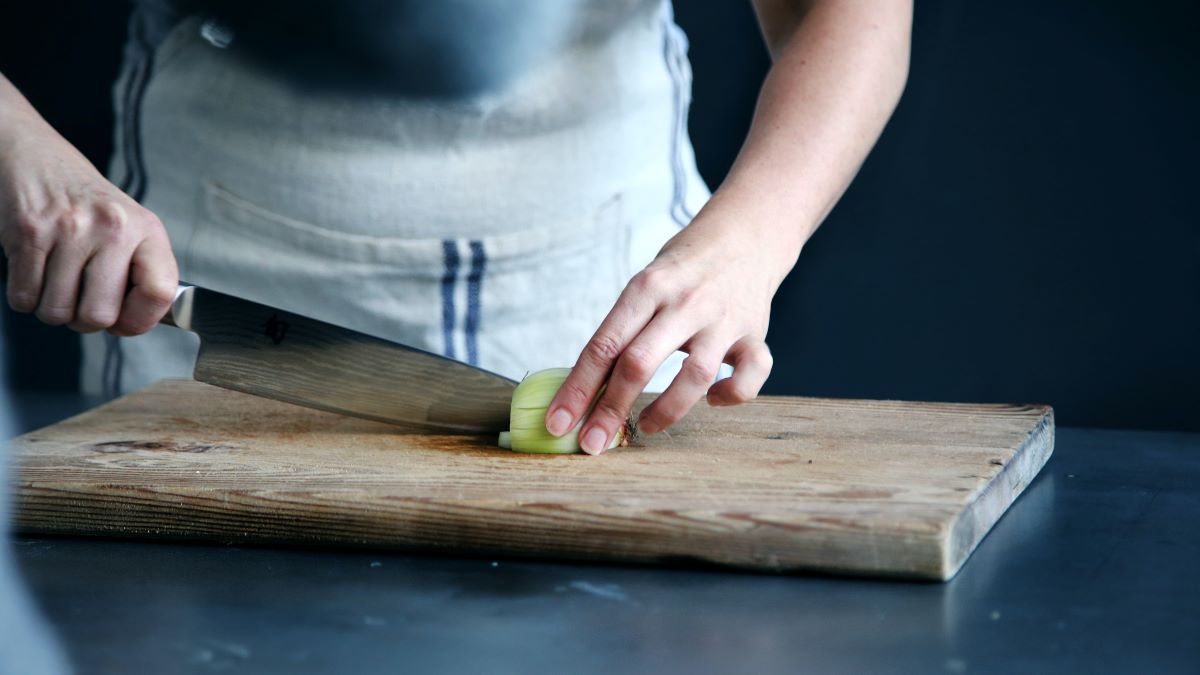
1026,230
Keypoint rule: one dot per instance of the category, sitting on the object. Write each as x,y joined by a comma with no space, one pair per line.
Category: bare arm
839,68
80,252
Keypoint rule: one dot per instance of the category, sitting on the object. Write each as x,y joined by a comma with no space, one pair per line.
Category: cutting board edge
139,521
588,533
975,521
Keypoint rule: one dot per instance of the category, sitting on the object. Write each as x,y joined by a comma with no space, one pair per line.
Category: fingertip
84,329
648,426
134,322
123,330
731,392
594,441
717,396
558,421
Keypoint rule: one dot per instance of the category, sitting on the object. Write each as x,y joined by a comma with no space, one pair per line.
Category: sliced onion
527,417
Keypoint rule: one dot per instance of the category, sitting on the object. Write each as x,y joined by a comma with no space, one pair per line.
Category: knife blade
261,350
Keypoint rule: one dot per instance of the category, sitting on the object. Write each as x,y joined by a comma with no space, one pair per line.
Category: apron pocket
382,286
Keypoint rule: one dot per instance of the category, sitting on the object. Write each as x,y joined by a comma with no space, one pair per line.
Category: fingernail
647,427
560,421
594,441
716,401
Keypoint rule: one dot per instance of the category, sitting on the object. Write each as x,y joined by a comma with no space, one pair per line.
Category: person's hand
80,252
708,293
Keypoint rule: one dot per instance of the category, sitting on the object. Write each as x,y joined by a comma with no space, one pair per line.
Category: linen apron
497,229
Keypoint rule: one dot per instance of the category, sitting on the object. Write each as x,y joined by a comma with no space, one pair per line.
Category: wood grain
786,484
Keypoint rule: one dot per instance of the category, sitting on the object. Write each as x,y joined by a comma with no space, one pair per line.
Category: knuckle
110,231
96,318
23,302
159,296
573,396
28,231
761,355
114,225
55,316
72,223
698,371
604,348
110,213
28,236
607,411
689,298
152,223
651,280
637,363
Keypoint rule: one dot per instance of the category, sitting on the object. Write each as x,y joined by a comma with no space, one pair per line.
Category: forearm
23,131
839,69
16,113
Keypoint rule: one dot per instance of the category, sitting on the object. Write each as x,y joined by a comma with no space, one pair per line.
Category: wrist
758,219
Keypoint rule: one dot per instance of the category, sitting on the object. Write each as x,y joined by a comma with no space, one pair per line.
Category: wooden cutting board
858,487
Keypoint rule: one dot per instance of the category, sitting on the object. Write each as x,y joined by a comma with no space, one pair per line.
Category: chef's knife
268,352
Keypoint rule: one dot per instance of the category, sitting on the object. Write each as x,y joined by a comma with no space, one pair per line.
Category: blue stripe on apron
474,284
450,262
675,58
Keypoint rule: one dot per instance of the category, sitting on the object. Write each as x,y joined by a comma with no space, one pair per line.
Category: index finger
625,321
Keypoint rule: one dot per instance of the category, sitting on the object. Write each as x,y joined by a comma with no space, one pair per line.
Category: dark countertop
1092,570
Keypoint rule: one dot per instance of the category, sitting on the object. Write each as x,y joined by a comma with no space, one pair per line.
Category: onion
527,417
